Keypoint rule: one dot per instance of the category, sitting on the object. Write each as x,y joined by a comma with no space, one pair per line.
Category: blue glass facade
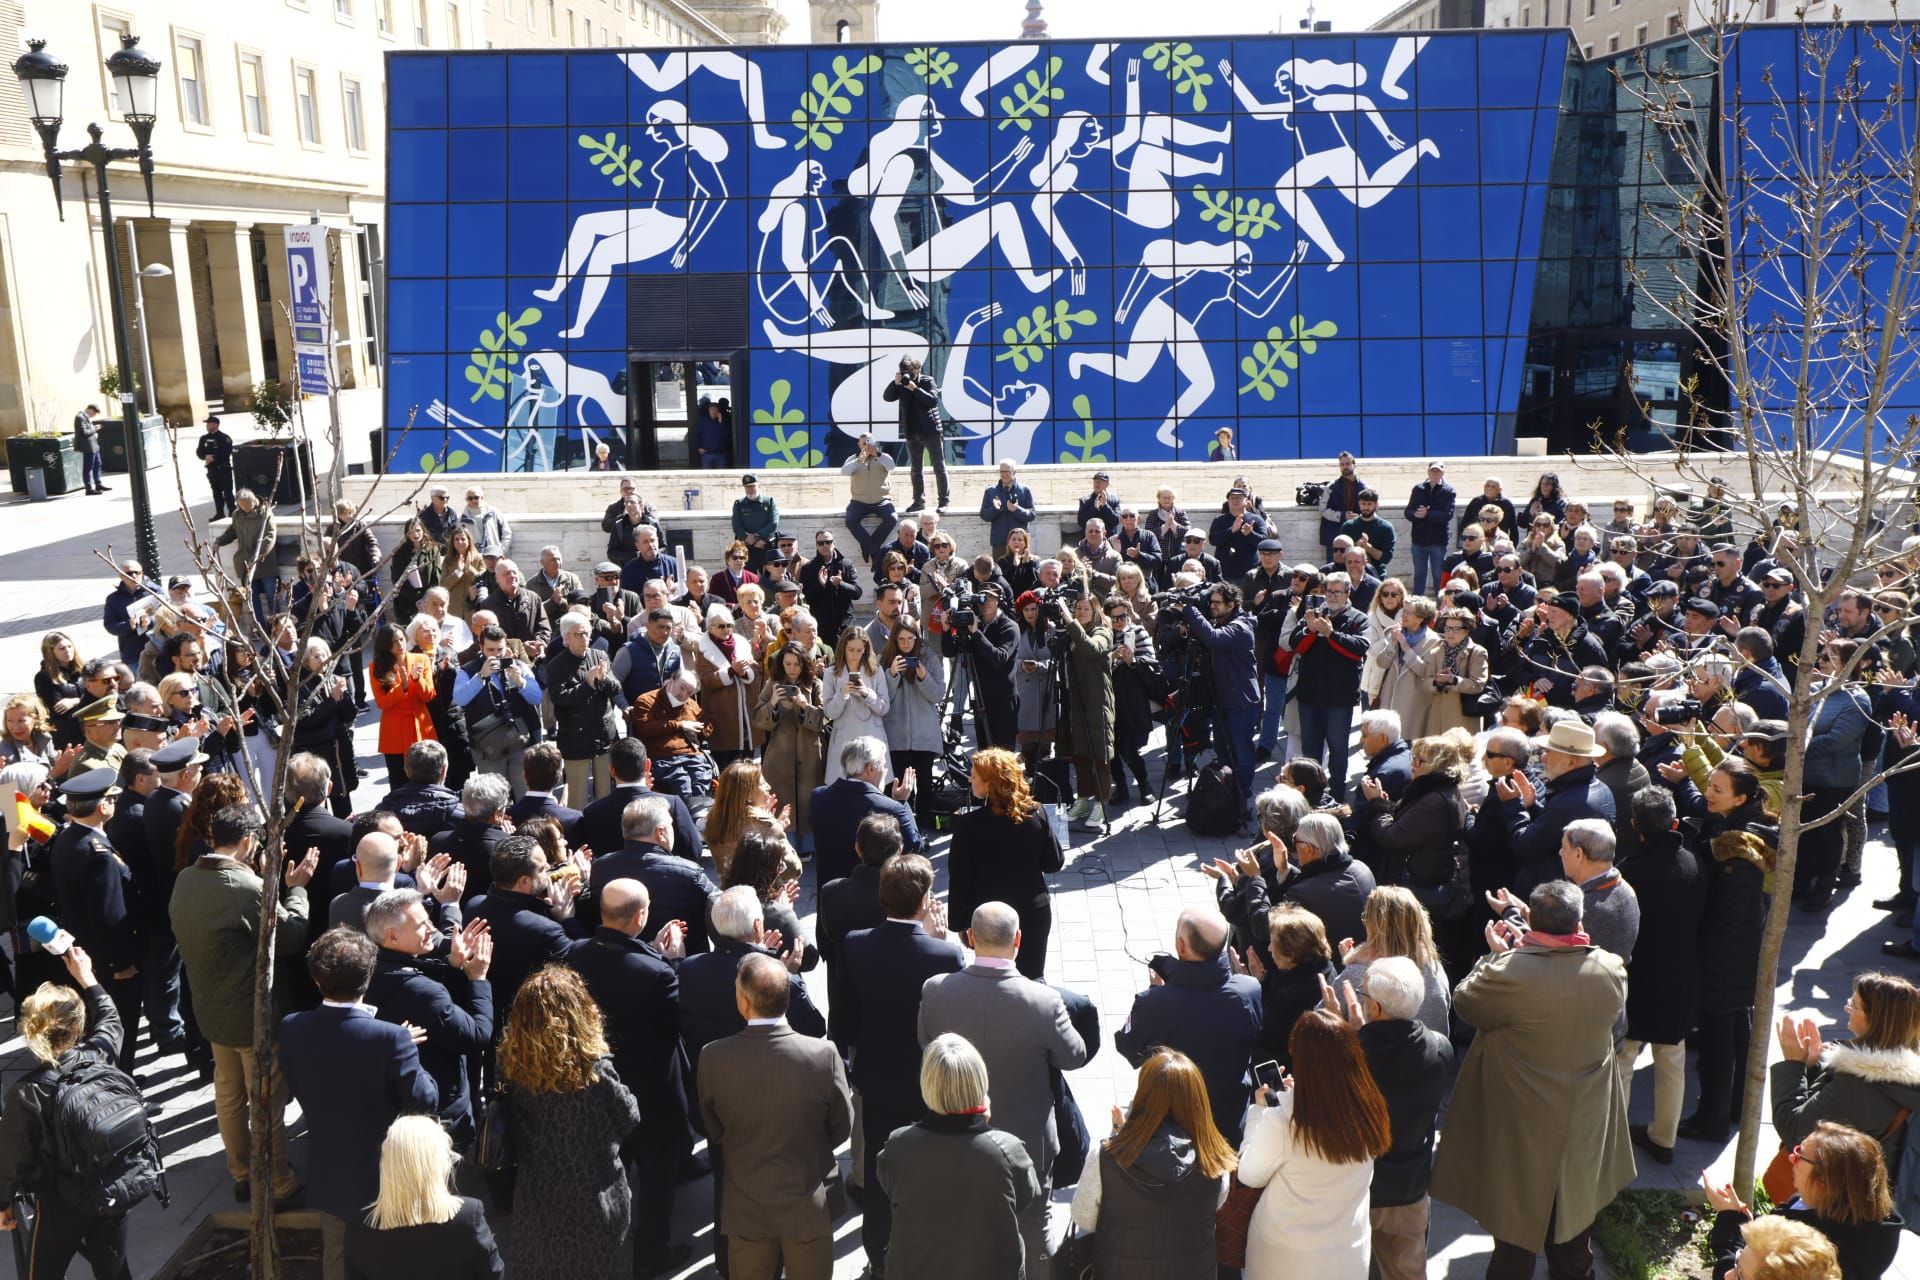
1101,251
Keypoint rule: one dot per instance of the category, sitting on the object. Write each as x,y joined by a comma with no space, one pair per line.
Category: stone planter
217,1249
113,442
256,461
54,455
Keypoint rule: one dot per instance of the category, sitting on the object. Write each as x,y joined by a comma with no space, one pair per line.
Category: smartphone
913,662
1268,1074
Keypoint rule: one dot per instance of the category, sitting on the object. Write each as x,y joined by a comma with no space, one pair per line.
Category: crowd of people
564,942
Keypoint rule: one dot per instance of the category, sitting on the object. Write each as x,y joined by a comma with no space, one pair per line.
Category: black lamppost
136,88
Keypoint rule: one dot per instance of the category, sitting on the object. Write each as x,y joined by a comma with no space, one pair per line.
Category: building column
236,311
172,326
280,293
349,324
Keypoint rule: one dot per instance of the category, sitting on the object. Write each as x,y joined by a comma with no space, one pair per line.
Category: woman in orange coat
403,686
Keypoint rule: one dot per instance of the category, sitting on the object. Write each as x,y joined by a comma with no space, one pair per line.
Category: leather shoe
293,1200
695,1166
243,1191
1642,1140
1898,902
1694,1131
1904,950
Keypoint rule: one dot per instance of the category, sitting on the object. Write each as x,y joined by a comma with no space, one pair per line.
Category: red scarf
1578,938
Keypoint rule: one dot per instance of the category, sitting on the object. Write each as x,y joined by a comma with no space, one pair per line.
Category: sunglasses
1798,1156
824,542
736,557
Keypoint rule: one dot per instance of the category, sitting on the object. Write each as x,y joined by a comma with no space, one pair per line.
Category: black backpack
1213,806
104,1154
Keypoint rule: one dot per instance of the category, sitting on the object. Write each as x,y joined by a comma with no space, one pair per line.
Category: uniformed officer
215,448
93,889
139,732
100,726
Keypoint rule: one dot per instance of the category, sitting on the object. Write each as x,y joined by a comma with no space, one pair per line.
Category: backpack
104,1154
1213,806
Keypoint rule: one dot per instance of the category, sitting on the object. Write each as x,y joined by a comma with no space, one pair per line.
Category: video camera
961,604
1195,595
1680,711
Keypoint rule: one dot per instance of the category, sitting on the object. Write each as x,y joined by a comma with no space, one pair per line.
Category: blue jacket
113,616
354,1075
1535,833
838,809
1833,752
419,989
1211,1014
1236,673
645,673
525,936
676,889
599,824
424,809
886,968
1752,686
1435,529
1014,512
1238,552
1394,768
638,572
708,1010
637,989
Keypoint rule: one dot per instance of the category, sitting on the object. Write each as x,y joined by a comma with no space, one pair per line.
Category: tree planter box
53,455
217,1249
113,442
255,461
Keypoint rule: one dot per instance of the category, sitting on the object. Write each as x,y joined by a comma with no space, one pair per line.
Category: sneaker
1081,809
918,505
1095,819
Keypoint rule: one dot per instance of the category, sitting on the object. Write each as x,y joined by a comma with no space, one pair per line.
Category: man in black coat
519,611
886,969
1573,791
1236,533
852,903
309,779
677,889
843,804
708,1011
990,642
830,584
1329,644
634,983
529,913
1412,1064
448,997
483,824
94,889
424,805
599,825
920,428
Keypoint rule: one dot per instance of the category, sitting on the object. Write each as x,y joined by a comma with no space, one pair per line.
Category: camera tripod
1183,705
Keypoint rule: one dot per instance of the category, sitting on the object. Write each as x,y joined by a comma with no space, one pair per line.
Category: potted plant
256,462
52,452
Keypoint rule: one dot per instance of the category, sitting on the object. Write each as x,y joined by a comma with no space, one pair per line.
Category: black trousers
652,1158
1569,1260
61,1230
1821,847
220,479
921,762
129,1000
876,1210
396,768
929,442
1721,1042
1036,926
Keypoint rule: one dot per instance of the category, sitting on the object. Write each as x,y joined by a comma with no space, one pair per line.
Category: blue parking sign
313,371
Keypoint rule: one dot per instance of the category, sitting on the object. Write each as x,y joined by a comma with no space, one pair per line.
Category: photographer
916,686
1138,687
1033,664
920,428
1265,589
1329,644
1228,638
1087,731
1236,533
988,637
500,695
870,494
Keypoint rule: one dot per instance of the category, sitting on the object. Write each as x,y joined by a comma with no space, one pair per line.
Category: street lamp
136,89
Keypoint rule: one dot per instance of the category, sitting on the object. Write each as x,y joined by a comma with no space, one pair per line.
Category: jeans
1428,561
1233,745
1324,736
930,442
1820,848
871,543
160,993
1276,687
90,471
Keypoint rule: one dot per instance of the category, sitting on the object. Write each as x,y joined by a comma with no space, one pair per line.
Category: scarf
1452,655
1578,938
1411,649
722,655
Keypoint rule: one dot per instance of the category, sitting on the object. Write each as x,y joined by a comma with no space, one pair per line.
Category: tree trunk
261,1112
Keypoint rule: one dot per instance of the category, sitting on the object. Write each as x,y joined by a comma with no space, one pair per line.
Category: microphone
54,940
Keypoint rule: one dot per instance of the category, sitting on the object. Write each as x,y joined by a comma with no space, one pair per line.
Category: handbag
494,1148
1233,1220
496,736
1073,1260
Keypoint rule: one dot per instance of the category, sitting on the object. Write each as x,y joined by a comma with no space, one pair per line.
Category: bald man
634,983
1196,1003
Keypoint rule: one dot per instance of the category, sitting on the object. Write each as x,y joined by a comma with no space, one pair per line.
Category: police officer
100,725
94,888
1266,590
215,448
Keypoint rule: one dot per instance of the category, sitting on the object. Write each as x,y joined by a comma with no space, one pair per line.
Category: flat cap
1271,544
1701,605
606,569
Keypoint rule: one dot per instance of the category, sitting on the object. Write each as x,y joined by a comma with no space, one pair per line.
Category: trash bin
36,483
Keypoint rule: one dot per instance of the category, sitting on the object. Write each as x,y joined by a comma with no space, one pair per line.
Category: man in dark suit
852,903
776,1106
886,968
483,824
678,889
309,779
707,1011
94,890
839,807
127,829
544,772
599,825
423,803
352,1073
165,811
529,912
447,997
634,983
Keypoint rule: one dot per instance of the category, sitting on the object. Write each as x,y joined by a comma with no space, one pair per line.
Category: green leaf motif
1088,438
828,98
1182,66
1265,376
1032,98
1242,217
613,158
1030,336
933,65
783,449
430,464
490,362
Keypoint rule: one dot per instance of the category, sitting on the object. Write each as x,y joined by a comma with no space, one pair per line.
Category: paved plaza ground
1114,905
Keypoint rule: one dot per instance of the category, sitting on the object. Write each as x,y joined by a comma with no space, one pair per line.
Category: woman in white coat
856,696
1383,617
1312,1147
916,686
1412,656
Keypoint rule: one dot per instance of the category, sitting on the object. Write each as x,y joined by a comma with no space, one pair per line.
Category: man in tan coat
1535,1142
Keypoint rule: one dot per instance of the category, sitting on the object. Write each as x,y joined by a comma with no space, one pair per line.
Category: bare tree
1787,190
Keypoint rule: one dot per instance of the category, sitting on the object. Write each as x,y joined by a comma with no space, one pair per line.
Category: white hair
552,550
1323,832
484,795
1394,983
1384,722
570,623
735,912
1611,572
317,648
439,595
861,754
1591,836
1616,733
645,816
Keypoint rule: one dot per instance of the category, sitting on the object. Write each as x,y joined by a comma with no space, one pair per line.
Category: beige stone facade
1601,27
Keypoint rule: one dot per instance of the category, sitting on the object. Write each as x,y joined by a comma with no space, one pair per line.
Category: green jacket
758,517
252,534
215,911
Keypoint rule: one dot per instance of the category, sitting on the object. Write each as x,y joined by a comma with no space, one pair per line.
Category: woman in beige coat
793,724
1383,616
1406,675
1459,675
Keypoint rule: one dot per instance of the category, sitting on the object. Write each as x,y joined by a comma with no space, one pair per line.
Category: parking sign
310,284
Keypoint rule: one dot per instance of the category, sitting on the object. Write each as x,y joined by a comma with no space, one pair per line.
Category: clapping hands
1800,1042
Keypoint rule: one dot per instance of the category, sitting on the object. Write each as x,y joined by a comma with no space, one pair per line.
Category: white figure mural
549,393
859,404
1205,270
1331,90
670,70
1005,420
599,242
1145,147
791,227
1001,64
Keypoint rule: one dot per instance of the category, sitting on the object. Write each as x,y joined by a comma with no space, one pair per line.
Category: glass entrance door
663,398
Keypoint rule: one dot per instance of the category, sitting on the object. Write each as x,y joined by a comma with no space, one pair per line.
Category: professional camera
1684,711
1195,595
961,604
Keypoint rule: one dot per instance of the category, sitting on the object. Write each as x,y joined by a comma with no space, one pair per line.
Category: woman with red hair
1002,851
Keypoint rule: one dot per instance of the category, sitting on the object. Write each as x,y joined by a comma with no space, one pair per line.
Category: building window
354,114
420,23
306,105
343,10
190,69
1640,34
383,16
1613,44
1526,17
553,20
1673,24
453,26
253,95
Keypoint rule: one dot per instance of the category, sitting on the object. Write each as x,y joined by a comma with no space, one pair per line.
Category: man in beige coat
1535,1142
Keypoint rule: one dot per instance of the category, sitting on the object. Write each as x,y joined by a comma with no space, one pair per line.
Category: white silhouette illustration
599,242
1097,62
1145,147
671,70
1005,420
550,393
1214,272
1330,90
1002,64
791,226
858,405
